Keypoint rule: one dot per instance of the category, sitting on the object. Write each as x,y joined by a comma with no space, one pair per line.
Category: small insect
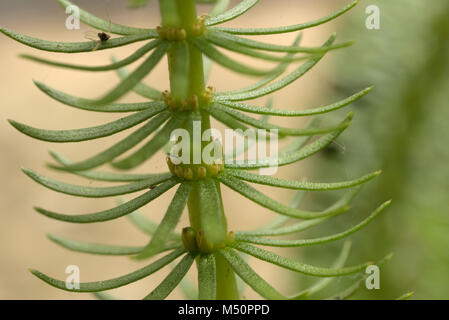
152,187
100,37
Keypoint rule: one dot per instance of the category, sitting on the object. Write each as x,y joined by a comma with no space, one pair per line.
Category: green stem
182,13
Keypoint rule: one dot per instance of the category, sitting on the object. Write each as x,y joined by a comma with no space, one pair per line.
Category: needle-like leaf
254,195
300,185
219,7
207,277
298,266
247,274
134,77
98,175
285,158
282,83
122,146
105,25
296,113
274,75
268,126
173,279
116,282
232,13
323,283
168,223
292,28
102,249
275,227
76,47
133,57
227,62
311,242
86,104
96,192
77,135
116,212
151,147
140,88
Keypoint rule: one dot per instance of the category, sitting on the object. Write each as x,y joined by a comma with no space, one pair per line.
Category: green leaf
280,220
140,88
285,158
77,47
292,28
298,266
232,13
254,195
323,283
311,242
213,221
300,185
122,146
99,175
145,224
188,289
232,46
207,283
220,7
246,145
406,296
103,296
274,75
77,135
280,84
86,104
168,223
173,279
348,292
296,113
227,62
278,48
249,276
134,57
226,119
106,26
116,282
151,147
96,192
116,212
103,249
134,77
275,229
281,130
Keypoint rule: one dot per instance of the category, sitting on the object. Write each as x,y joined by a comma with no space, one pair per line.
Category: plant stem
182,13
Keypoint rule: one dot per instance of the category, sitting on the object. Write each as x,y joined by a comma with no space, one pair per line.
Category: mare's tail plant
190,42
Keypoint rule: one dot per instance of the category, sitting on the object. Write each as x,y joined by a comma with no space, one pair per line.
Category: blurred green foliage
402,128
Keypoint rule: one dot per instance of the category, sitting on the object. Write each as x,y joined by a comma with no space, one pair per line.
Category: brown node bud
189,239
179,172
202,172
203,244
171,34
188,174
181,34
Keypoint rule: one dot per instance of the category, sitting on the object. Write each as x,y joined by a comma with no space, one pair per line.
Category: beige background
22,231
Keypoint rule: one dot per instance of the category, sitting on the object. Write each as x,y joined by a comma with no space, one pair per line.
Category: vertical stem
182,13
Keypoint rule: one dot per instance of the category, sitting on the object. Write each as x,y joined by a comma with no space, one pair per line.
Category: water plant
190,41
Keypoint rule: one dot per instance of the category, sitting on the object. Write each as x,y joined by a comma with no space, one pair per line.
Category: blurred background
401,127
